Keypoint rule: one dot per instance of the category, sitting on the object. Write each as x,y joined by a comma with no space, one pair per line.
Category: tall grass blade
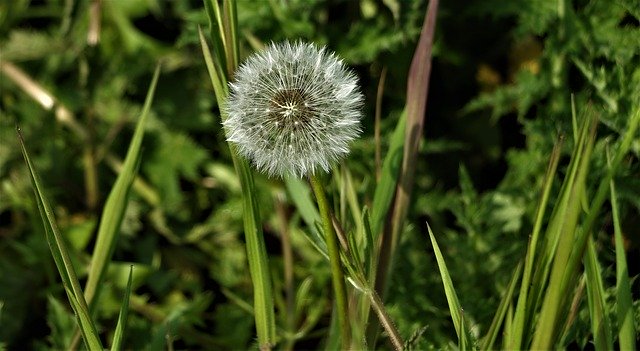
230,31
600,325
562,229
116,203
417,91
464,337
118,335
580,243
216,33
223,29
62,258
626,330
216,75
524,308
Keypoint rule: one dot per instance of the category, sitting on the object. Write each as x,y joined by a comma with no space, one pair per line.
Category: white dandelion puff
293,109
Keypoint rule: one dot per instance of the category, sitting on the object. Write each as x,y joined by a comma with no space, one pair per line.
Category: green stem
337,274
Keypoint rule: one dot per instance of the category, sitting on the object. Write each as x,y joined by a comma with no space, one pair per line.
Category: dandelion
293,109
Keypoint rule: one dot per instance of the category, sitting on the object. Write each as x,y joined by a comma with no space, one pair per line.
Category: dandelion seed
293,87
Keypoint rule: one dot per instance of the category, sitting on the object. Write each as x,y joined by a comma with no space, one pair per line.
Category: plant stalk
337,274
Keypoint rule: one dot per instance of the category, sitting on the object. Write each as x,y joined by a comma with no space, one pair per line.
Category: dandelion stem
337,275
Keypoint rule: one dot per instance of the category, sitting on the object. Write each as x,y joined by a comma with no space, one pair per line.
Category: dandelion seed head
293,109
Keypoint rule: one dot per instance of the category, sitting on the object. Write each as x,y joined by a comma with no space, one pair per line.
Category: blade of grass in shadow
223,28
624,313
116,203
600,325
464,338
417,90
376,133
524,311
62,258
118,335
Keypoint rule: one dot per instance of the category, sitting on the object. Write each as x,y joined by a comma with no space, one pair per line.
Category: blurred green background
500,95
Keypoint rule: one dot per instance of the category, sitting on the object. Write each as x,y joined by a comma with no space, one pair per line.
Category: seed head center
291,107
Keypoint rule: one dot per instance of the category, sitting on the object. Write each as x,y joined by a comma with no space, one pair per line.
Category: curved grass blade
118,335
62,258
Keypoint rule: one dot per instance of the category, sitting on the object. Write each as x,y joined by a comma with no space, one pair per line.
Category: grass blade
450,292
217,35
417,92
62,258
116,203
626,330
600,325
524,308
215,73
118,336
562,229
505,304
383,195
224,28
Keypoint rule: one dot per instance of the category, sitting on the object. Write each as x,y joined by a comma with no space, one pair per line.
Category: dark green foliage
500,97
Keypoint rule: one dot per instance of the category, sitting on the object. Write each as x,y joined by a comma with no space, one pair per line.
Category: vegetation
506,216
